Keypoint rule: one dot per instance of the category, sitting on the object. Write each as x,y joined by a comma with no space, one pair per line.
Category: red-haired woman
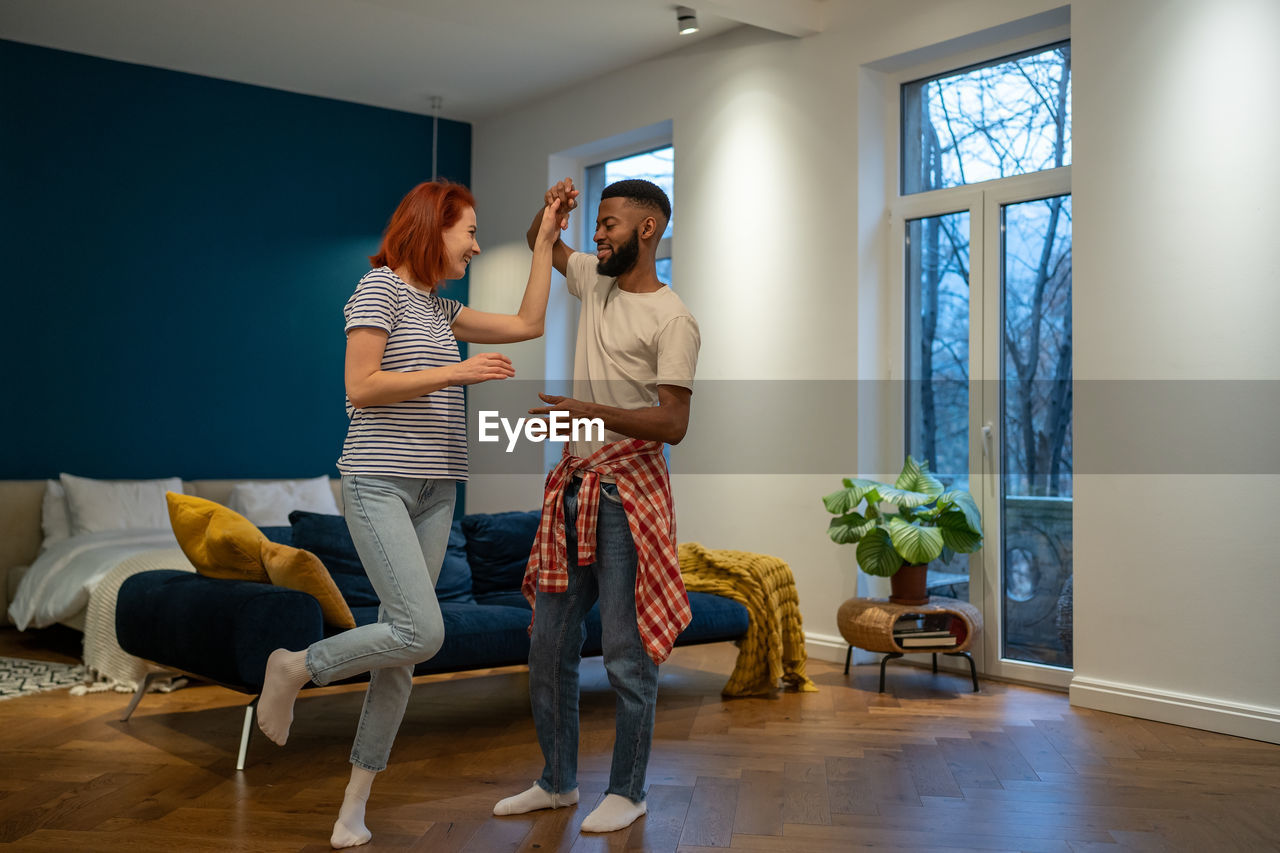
406,448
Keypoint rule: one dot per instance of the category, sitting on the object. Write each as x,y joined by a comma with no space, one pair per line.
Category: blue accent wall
177,252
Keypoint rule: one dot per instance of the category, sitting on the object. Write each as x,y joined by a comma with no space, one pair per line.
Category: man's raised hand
568,196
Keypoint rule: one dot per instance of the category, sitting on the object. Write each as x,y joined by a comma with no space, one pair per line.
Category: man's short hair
643,193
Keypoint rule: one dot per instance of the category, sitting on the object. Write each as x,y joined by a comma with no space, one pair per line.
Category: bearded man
607,531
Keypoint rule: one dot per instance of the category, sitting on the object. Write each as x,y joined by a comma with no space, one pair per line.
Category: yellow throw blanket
773,647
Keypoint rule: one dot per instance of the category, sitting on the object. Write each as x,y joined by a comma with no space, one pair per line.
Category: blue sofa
223,630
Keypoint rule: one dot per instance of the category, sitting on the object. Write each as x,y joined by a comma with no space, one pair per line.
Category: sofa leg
142,689
244,732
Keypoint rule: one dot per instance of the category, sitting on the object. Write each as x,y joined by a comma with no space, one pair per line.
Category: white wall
1177,277
781,254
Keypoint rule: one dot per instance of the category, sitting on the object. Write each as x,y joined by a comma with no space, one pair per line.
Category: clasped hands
568,197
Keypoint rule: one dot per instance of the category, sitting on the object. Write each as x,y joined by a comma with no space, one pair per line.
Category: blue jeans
558,634
400,526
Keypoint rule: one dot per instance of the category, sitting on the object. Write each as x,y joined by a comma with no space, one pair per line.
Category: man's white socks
613,813
533,799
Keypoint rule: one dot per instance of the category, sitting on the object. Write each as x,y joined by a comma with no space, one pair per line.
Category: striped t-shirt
425,436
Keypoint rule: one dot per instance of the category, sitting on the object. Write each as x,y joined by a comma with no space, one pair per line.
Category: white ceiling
481,56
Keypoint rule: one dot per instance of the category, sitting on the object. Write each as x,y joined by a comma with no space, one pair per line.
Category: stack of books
928,631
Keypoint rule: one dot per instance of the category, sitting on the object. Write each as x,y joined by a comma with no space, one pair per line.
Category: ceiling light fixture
686,20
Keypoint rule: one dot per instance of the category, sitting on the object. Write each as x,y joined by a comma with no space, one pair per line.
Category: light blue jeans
400,526
558,634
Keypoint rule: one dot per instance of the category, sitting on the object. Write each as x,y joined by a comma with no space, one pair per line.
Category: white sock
533,799
614,812
349,830
286,673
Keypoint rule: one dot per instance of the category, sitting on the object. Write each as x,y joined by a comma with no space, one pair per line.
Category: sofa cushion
327,537
224,544
218,542
294,568
454,583
714,619
283,535
505,597
330,539
498,546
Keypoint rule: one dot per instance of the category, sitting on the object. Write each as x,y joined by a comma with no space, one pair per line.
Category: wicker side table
868,624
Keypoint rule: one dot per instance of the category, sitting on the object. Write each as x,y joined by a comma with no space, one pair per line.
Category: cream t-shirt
628,344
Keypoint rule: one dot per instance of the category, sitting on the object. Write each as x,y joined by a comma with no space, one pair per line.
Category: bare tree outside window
1011,117
984,123
938,312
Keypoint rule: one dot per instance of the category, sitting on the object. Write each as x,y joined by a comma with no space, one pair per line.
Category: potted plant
930,522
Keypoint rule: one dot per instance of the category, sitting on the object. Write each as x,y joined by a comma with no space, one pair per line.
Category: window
938,314
984,222
657,165
1009,117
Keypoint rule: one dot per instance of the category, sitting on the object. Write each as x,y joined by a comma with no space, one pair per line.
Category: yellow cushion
294,568
221,543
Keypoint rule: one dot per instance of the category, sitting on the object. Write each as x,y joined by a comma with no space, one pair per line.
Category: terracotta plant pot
908,585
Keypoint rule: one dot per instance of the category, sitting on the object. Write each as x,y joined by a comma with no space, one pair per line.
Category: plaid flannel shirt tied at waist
662,605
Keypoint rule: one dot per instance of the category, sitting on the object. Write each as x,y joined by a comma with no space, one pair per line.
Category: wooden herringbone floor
926,766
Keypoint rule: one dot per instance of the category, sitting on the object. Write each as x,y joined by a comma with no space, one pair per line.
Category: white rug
19,677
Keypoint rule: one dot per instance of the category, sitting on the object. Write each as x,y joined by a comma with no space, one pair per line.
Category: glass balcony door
987,276
1026,432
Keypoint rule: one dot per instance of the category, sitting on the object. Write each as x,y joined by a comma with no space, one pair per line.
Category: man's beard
621,259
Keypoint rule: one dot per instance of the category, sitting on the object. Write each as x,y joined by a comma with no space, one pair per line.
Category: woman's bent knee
426,644
418,644
429,644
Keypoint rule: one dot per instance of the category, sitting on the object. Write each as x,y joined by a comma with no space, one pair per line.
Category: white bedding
57,585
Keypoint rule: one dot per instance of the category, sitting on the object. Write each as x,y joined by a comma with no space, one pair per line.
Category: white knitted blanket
107,666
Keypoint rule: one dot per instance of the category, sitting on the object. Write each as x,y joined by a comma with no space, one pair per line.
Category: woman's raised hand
482,368
551,222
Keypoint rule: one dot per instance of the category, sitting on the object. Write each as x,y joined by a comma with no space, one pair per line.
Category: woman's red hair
414,236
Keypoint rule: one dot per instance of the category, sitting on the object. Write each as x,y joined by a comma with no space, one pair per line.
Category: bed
70,577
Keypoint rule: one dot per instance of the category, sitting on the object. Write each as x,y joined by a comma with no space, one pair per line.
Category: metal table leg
973,669
883,661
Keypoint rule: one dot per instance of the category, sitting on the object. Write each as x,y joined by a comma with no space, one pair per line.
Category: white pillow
55,520
97,505
269,504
